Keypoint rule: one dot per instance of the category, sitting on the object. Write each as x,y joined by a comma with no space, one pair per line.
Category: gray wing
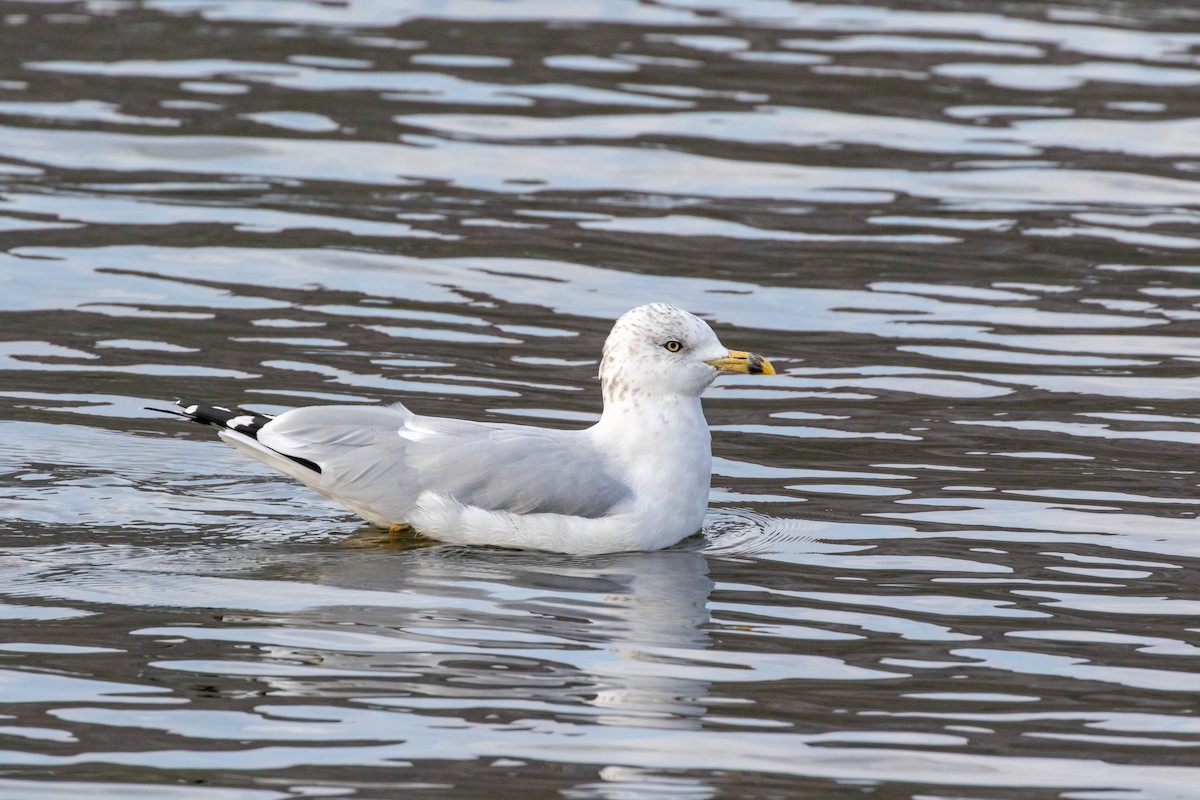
385,457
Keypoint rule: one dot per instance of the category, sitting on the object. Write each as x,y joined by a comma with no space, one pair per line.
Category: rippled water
952,549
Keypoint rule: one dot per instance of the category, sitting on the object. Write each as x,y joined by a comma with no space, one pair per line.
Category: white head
660,350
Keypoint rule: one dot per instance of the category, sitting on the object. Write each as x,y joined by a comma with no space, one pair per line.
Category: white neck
648,415
663,440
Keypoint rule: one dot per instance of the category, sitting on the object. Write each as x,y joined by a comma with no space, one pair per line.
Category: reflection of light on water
632,783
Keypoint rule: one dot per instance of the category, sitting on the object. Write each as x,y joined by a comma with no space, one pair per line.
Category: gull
638,479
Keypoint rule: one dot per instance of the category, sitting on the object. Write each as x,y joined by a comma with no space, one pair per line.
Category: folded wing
379,460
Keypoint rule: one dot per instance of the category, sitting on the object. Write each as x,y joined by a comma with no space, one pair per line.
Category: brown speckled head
659,350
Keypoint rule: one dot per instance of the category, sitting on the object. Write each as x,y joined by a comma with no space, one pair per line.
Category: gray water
952,549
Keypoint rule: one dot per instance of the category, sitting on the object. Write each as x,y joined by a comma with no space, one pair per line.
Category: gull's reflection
617,639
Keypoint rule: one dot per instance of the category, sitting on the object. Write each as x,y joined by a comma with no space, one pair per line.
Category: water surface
951,550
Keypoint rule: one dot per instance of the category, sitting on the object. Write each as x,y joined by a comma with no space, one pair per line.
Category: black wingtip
237,420
170,411
231,418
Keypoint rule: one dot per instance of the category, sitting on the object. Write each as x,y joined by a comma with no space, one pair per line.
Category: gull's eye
673,346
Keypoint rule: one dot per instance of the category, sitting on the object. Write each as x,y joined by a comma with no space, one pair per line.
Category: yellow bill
742,362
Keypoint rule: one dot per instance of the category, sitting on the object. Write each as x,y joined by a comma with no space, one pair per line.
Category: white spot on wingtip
245,420
191,409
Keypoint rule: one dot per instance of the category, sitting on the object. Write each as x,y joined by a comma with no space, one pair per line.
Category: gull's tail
240,427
